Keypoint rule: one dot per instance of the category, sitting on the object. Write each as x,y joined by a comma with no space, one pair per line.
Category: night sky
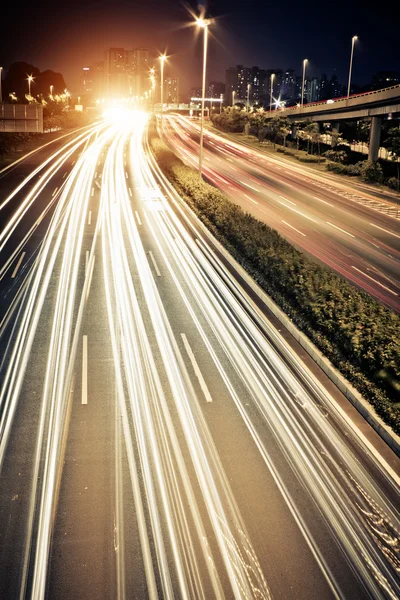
68,36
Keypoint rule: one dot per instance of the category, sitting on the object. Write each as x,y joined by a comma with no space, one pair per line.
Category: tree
393,147
15,82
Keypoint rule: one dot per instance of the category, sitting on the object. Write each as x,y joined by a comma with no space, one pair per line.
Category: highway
159,436
355,233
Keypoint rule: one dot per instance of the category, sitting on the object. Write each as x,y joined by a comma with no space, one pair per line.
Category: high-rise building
237,80
288,87
258,86
171,90
140,71
126,72
92,81
116,75
384,79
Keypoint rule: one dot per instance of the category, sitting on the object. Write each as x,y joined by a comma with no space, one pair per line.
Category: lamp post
1,92
270,99
162,61
30,79
305,61
204,23
51,91
233,98
248,96
353,40
153,84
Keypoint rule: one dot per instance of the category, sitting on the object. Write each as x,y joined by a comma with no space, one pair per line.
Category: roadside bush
310,159
393,183
338,156
341,169
359,335
371,172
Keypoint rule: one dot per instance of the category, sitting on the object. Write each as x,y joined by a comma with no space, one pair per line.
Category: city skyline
256,35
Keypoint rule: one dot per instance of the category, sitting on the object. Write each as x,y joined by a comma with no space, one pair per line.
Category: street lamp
1,93
51,91
30,79
248,96
162,61
353,40
305,61
204,23
233,97
270,99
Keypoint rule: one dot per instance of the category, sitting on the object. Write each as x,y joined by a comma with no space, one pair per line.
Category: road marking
195,366
65,174
92,191
98,163
95,175
298,212
130,192
154,263
324,201
287,200
21,258
375,280
251,199
54,193
124,163
126,174
72,164
138,217
86,261
249,186
291,226
342,230
84,371
89,221
385,230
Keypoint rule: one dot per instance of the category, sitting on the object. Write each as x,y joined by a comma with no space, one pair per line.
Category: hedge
358,334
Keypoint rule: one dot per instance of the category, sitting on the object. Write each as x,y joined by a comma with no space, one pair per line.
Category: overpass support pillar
374,138
294,131
335,133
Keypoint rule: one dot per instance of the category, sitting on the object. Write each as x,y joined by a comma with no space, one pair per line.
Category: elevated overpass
370,105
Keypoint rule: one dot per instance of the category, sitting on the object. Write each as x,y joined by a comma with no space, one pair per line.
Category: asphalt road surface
159,436
355,233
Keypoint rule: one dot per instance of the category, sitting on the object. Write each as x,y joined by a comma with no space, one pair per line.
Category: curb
364,408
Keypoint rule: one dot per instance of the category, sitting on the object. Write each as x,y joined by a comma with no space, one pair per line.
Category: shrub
338,156
371,171
310,159
393,183
359,335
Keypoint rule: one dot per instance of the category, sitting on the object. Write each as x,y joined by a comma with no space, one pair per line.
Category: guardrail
340,99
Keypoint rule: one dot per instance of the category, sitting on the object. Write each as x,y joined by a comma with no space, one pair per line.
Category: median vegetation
358,335
313,143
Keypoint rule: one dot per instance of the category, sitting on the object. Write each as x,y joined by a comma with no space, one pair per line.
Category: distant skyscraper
115,73
384,79
140,64
258,85
126,72
237,80
288,88
171,90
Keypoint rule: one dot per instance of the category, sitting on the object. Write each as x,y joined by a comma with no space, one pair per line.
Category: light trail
193,537
300,427
65,231
318,198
